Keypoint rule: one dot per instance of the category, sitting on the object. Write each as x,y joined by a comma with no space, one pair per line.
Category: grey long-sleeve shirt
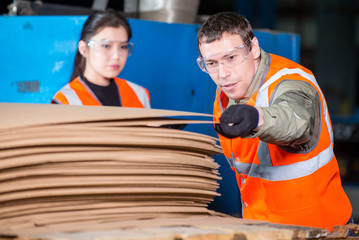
293,117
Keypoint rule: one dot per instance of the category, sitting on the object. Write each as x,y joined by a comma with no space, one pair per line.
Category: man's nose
222,70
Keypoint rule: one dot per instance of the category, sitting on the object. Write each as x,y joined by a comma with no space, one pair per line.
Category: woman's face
106,54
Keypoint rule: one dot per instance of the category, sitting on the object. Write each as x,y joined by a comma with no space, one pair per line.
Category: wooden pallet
190,228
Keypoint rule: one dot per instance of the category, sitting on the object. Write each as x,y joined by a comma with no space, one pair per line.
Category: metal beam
99,4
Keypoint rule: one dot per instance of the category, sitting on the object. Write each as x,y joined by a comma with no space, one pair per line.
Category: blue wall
37,55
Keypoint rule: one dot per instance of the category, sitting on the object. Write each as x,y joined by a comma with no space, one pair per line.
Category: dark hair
96,21
225,22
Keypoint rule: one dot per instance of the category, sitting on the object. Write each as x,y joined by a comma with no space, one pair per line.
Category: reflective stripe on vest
292,171
262,97
141,94
71,95
239,166
73,98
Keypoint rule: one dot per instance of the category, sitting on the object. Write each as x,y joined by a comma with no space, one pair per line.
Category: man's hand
237,121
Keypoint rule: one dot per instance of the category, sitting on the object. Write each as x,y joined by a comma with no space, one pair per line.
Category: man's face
233,80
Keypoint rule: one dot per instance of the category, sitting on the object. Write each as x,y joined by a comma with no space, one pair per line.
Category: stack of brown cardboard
71,168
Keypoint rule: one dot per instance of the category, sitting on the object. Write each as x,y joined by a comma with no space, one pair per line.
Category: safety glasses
230,58
107,47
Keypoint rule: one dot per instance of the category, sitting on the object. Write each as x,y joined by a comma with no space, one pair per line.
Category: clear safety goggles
107,47
230,58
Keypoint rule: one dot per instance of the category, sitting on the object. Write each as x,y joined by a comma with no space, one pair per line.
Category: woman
101,55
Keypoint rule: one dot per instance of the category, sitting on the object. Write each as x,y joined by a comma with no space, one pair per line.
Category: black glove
237,121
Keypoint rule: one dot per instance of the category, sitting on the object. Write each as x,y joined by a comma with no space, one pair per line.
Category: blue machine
37,55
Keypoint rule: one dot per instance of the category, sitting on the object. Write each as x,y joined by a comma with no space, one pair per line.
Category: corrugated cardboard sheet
71,168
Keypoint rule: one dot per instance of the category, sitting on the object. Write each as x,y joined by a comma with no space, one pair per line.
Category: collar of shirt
257,81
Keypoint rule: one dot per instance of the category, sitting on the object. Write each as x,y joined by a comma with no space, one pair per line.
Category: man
274,127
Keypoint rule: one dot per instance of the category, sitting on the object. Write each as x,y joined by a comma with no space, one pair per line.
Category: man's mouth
228,87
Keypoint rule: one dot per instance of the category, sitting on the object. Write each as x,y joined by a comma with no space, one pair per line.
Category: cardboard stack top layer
71,168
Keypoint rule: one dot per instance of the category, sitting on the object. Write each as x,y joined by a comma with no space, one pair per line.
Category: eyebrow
224,56
228,53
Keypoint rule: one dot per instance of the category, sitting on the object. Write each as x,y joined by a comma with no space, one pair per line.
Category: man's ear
256,51
82,48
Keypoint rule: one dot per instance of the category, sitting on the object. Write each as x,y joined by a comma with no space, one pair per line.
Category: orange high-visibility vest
280,185
77,92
